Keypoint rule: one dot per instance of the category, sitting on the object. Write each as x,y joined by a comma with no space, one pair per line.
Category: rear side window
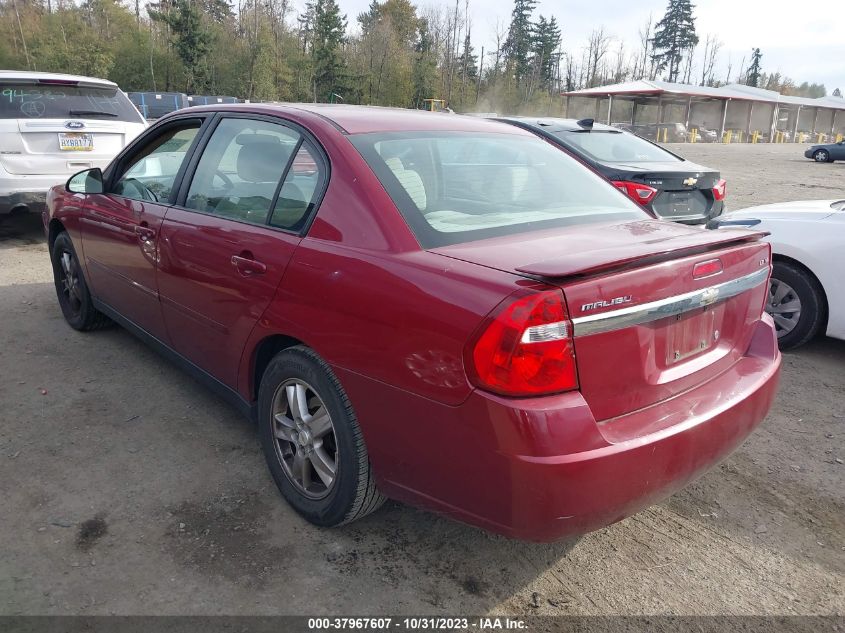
454,187
240,169
37,101
611,146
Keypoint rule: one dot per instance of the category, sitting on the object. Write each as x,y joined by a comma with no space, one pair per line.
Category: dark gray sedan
827,153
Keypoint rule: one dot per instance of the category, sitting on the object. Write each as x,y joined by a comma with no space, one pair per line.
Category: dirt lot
128,488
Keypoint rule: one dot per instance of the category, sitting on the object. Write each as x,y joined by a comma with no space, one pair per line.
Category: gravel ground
127,488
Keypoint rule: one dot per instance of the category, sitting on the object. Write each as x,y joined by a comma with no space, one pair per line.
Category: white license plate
75,142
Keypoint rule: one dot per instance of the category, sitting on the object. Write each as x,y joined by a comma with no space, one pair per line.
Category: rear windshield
455,187
614,146
34,101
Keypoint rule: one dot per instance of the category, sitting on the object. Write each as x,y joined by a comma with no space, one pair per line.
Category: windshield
455,187
34,101
614,146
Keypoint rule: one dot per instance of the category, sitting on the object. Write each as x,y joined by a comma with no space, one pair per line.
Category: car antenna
587,124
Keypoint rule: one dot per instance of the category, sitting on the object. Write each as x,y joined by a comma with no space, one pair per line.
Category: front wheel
796,303
312,442
71,289
821,156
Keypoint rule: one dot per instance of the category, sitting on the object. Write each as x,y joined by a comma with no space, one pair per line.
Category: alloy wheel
69,281
305,444
820,156
784,306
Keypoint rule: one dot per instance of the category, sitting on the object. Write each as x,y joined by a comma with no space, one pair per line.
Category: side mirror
87,181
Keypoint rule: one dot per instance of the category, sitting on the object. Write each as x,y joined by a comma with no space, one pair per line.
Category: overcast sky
803,40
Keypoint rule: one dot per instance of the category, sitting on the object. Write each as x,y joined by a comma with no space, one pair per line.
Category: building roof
738,92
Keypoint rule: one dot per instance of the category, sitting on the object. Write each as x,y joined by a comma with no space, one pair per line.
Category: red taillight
526,348
706,269
636,191
720,189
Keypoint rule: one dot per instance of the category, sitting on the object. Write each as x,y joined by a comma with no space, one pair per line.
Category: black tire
813,303
353,493
821,156
72,290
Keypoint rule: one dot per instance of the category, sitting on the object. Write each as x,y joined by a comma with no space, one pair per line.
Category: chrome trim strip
671,306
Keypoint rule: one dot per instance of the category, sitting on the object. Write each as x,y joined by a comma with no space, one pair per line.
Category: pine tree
673,36
191,40
329,30
752,77
424,74
518,45
546,43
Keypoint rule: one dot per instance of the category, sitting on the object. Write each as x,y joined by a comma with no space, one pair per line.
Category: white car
807,292
52,126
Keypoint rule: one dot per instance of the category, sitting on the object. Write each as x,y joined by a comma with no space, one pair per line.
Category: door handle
247,266
145,233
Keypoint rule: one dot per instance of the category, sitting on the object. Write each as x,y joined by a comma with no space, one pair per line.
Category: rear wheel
796,303
821,156
71,289
312,442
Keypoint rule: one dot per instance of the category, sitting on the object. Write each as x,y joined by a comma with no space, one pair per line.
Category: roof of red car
354,119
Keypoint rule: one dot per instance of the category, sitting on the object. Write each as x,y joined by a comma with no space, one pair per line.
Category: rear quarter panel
817,245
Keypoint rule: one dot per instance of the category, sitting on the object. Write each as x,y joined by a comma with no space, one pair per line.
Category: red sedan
438,309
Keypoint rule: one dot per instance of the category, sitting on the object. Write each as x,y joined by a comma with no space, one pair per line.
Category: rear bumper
29,200
17,191
544,469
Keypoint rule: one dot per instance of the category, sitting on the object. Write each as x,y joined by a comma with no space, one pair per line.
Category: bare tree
597,46
708,61
646,34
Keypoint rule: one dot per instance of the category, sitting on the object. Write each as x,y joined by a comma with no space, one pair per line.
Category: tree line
395,53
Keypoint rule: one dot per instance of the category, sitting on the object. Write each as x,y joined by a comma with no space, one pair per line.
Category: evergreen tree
752,77
837,92
673,36
424,75
329,30
519,42
190,39
468,61
546,43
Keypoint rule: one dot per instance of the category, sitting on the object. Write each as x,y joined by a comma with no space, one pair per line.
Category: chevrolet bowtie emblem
689,182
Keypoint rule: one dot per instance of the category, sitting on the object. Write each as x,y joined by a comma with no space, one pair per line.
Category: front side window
239,173
151,173
454,187
613,146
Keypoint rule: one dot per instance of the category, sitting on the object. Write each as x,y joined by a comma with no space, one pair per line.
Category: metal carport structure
734,107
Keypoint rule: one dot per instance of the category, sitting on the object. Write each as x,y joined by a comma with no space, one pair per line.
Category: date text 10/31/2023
417,623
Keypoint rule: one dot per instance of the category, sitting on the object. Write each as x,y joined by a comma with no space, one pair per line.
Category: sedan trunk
658,310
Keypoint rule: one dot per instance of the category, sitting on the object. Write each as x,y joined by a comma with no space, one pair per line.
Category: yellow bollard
755,136
819,137
739,136
727,138
693,135
838,138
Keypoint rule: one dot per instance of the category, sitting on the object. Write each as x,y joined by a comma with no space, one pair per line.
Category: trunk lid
686,189
646,329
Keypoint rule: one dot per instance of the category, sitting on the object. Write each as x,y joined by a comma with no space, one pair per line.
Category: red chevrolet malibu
433,308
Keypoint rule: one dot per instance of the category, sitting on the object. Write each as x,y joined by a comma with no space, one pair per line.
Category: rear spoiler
639,253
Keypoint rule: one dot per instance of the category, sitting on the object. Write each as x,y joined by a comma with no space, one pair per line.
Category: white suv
52,126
